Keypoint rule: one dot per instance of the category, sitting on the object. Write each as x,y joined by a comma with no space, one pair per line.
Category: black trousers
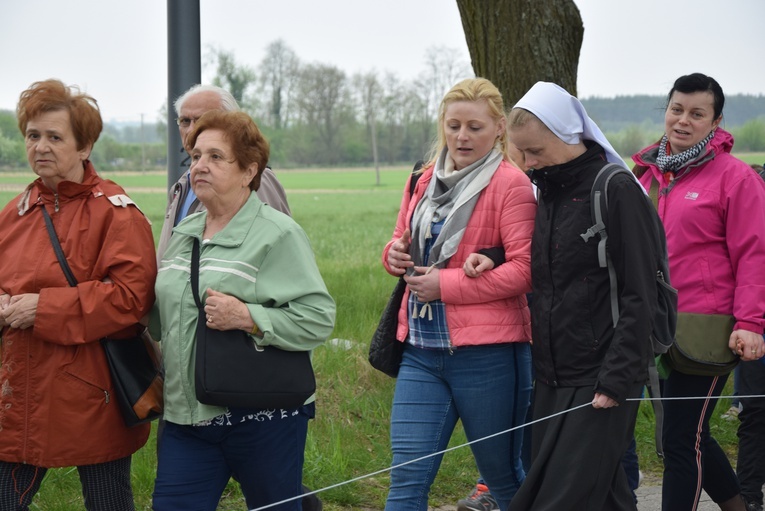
751,432
105,486
693,460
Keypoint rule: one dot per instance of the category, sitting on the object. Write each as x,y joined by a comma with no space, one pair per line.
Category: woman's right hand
398,254
476,264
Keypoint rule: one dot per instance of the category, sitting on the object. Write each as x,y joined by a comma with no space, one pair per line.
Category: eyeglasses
185,122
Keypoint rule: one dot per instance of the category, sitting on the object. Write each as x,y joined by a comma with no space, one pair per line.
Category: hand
476,264
5,300
21,311
425,286
748,345
398,254
225,312
603,401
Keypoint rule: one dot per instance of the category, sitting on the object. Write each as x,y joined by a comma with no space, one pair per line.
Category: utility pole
184,69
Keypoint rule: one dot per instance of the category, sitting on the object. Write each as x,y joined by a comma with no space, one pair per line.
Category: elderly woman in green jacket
257,273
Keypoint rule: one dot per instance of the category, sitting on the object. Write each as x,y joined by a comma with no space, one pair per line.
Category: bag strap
415,176
57,248
195,274
653,192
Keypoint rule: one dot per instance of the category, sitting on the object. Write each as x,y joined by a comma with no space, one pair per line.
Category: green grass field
348,219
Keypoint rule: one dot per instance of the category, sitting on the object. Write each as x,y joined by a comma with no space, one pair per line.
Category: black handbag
135,363
385,351
232,370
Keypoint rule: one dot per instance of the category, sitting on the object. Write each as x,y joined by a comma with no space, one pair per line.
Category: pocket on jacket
708,282
88,372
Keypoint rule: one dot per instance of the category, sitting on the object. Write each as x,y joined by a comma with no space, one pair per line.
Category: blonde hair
471,89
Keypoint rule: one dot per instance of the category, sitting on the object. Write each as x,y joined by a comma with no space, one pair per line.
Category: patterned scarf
451,197
674,162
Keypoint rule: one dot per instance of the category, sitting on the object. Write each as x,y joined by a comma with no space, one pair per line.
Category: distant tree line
315,114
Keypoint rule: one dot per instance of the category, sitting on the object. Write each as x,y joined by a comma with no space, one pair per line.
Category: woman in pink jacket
713,209
466,353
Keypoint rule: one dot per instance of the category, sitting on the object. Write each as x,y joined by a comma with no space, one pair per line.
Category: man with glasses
189,107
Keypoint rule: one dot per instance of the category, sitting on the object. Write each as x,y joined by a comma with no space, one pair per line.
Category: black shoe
311,502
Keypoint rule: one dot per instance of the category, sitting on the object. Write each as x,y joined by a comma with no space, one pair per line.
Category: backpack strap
598,212
654,390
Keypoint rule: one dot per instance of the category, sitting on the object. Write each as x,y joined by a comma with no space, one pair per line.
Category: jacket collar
569,173
234,234
37,193
721,143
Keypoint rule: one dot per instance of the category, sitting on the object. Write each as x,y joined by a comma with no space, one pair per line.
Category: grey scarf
452,198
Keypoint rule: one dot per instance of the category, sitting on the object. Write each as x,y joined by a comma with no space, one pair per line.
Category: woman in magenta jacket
466,353
713,209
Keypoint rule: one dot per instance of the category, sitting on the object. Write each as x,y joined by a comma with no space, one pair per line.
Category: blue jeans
264,455
488,388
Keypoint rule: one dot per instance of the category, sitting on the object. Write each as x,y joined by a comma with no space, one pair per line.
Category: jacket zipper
550,221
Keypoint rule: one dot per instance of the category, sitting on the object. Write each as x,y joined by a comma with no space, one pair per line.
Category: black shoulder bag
385,350
134,363
232,370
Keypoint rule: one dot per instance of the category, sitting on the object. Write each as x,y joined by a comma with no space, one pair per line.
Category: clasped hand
748,345
18,311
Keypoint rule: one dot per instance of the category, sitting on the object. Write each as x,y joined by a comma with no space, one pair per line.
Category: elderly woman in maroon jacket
57,405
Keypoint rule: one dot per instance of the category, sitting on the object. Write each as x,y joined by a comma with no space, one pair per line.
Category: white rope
467,444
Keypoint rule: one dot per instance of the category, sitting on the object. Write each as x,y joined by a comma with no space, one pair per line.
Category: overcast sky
116,50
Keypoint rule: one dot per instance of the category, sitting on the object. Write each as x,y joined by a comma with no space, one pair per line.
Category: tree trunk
516,43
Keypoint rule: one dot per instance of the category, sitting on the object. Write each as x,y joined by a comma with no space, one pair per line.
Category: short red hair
52,95
247,141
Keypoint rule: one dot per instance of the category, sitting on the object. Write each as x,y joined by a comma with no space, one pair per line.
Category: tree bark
516,43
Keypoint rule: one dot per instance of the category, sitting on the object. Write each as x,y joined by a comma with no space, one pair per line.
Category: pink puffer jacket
492,308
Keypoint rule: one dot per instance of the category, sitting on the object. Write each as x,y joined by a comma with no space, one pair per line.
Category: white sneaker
732,413
640,478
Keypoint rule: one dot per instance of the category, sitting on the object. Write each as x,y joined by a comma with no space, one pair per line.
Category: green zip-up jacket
263,258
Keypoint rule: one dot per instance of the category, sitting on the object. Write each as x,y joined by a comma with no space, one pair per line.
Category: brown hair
52,95
247,142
